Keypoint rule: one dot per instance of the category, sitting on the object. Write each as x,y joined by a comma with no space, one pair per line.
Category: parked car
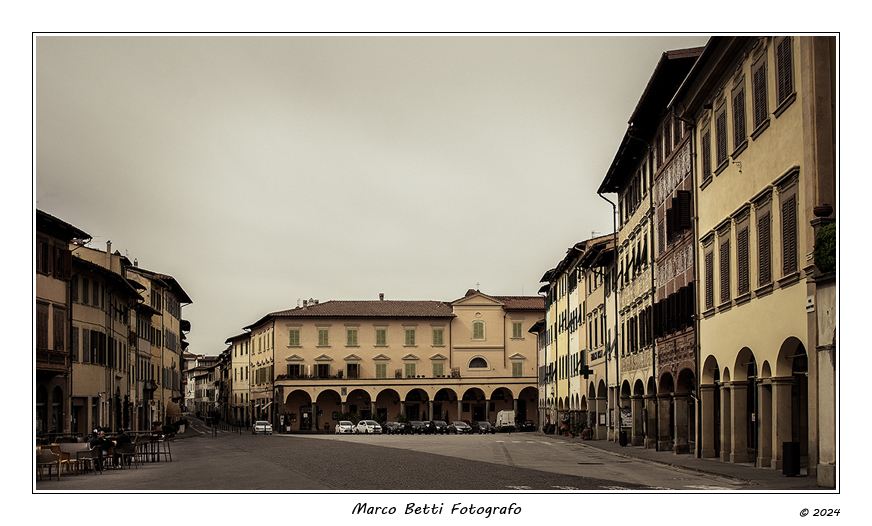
368,427
392,428
416,427
528,425
484,428
459,428
261,427
344,427
438,427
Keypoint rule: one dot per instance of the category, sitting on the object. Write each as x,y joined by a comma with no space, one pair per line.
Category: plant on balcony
825,248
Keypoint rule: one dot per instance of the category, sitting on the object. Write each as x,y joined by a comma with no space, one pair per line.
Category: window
410,336
742,276
478,330
478,363
517,329
517,369
739,131
41,326
725,266
438,369
721,135
381,370
438,336
293,337
381,337
784,68
788,235
351,337
760,106
323,337
706,153
352,370
323,370
410,370
764,249
58,319
709,279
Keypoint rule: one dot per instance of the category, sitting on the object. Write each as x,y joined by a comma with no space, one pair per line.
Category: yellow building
460,360
763,111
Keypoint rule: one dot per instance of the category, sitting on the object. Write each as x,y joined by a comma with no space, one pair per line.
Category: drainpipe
615,292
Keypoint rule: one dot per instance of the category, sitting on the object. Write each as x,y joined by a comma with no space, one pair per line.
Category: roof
58,228
664,82
168,280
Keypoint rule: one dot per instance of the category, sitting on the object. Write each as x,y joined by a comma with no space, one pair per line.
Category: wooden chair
91,457
64,460
127,451
163,449
45,457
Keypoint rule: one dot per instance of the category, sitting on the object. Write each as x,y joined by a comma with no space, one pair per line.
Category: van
505,420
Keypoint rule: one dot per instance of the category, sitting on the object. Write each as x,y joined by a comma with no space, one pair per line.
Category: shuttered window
661,239
725,271
381,337
761,111
410,336
742,264
323,337
764,250
706,154
294,337
709,280
74,343
381,370
58,323
721,135
41,326
788,234
739,131
351,337
685,212
784,68
438,336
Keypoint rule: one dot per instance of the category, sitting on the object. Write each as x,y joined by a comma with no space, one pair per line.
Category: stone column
707,413
651,423
602,432
637,405
459,409
826,411
681,444
403,407
764,424
782,418
372,409
726,419
314,416
664,431
739,422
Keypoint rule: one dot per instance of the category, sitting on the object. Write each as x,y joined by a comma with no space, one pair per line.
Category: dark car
392,428
484,428
459,428
528,425
438,427
417,427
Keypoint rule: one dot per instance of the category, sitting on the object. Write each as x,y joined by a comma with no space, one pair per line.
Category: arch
710,371
745,365
583,403
765,370
638,388
686,382
602,390
666,384
792,349
478,363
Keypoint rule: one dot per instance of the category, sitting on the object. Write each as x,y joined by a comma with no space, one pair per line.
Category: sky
263,170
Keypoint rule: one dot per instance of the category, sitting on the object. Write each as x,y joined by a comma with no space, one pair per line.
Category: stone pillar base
681,449
826,475
650,443
766,462
739,458
707,453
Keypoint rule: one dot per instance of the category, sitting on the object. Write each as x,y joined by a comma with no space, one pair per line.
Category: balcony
52,361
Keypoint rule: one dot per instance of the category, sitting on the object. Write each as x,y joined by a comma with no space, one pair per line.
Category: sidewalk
747,473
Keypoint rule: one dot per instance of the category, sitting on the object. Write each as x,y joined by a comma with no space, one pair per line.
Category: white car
261,427
343,427
368,427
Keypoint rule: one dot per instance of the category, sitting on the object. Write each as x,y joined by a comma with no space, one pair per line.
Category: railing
54,360
334,377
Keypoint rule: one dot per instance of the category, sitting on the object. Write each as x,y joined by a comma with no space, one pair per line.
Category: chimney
305,303
109,247
381,296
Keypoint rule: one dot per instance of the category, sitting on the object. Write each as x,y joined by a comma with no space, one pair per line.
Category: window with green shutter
323,337
381,337
294,337
410,337
438,336
351,337
517,329
381,370
478,330
438,369
517,369
410,370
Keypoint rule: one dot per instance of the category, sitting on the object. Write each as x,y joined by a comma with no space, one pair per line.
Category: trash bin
622,438
790,459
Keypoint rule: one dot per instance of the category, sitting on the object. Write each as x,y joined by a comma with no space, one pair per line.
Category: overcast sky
263,170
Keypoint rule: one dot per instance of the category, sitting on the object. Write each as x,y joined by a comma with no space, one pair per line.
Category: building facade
763,111
460,360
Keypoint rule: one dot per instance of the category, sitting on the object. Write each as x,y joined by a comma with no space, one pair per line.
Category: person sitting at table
99,441
120,439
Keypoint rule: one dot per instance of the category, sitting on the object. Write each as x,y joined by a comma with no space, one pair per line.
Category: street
501,462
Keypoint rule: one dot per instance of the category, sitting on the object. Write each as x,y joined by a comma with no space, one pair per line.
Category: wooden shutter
691,303
725,271
58,323
788,234
685,212
764,252
721,135
42,326
707,154
742,254
709,280
784,56
759,87
739,115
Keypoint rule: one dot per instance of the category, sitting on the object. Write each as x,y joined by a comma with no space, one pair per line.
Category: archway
685,411
328,406
743,393
473,405
298,410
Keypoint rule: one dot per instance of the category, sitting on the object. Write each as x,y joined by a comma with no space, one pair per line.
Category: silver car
368,427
